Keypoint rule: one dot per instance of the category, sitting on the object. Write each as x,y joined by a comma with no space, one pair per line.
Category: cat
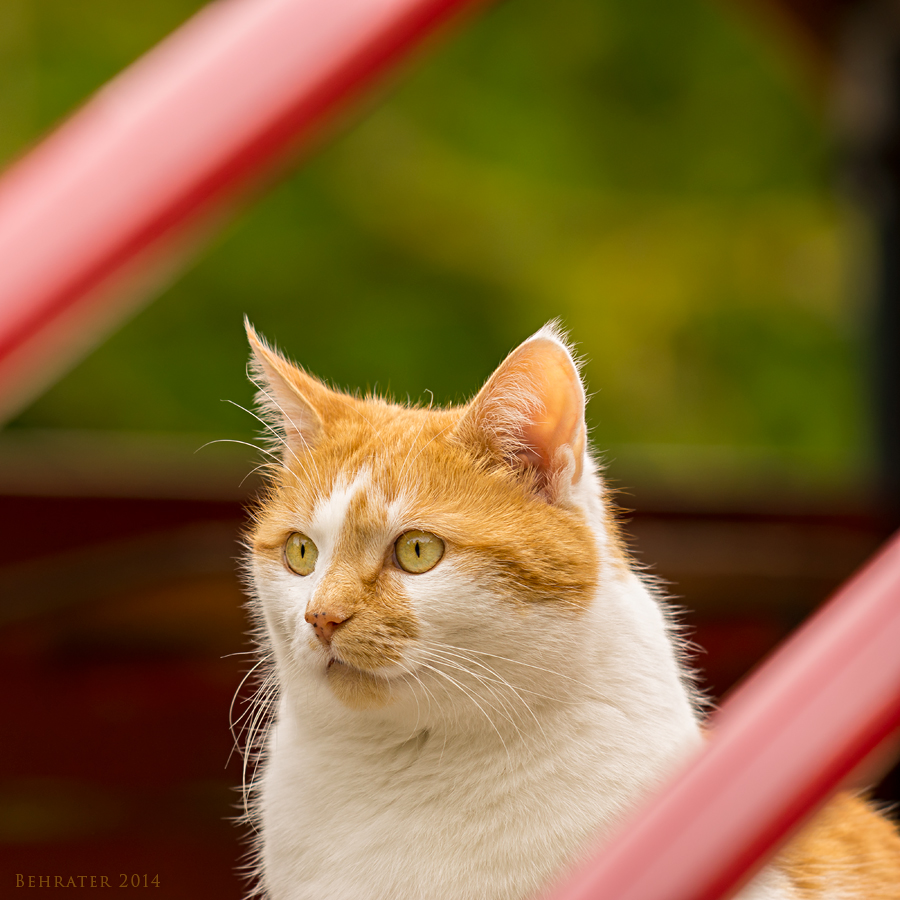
470,681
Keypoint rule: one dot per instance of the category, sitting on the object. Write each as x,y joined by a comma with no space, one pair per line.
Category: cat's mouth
360,688
335,664
357,688
333,661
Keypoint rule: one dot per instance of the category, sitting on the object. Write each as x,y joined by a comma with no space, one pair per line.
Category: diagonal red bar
222,97
780,746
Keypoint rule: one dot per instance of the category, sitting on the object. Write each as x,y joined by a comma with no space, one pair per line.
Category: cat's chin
356,688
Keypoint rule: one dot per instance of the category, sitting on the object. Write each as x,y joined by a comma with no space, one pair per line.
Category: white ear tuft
531,413
288,398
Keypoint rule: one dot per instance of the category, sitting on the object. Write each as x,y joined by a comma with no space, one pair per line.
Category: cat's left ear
295,404
531,413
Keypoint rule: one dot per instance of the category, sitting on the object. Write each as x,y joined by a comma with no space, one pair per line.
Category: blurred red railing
233,91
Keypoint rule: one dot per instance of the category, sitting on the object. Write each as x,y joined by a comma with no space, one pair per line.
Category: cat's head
418,555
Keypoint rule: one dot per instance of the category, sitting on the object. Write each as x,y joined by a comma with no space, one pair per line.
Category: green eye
300,553
418,551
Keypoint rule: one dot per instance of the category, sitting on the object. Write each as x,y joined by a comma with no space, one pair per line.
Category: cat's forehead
381,449
385,428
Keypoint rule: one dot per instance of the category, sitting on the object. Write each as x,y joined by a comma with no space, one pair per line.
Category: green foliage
641,169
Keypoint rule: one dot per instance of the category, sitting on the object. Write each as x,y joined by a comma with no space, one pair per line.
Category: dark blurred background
701,191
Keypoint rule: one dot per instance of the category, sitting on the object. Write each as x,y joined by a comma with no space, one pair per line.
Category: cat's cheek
284,598
444,599
469,617
459,613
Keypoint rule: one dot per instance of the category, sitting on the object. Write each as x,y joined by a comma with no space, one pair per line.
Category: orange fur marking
848,851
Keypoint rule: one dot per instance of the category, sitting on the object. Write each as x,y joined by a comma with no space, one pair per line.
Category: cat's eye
418,551
300,554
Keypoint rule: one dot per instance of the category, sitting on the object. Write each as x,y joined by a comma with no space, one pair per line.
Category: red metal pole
231,91
780,746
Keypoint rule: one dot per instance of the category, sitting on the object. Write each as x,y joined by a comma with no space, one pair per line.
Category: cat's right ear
531,414
291,402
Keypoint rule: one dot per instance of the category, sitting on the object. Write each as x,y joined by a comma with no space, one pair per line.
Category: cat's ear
292,402
531,413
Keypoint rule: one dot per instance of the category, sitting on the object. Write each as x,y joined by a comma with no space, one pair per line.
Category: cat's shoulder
849,850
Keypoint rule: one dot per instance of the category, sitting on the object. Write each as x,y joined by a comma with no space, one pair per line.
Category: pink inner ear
560,422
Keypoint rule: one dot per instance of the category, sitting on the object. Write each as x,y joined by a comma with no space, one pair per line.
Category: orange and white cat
473,682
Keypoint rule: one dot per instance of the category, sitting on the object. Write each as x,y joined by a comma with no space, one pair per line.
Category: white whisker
246,736
471,696
494,678
485,682
413,442
280,437
430,440
231,720
462,654
277,461
518,662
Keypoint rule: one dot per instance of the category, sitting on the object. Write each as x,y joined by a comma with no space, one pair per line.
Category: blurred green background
655,174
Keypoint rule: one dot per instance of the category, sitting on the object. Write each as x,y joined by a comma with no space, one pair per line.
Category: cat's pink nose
325,623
